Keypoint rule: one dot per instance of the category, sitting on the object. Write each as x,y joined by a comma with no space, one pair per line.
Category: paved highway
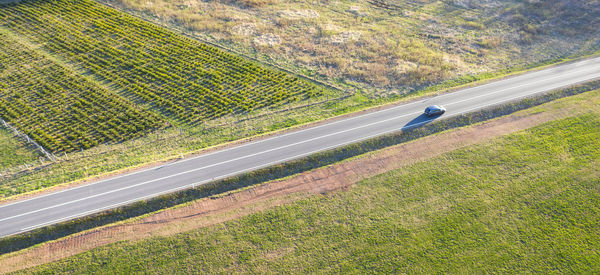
75,202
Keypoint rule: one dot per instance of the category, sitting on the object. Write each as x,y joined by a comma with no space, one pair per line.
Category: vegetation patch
14,151
182,78
58,108
527,202
387,47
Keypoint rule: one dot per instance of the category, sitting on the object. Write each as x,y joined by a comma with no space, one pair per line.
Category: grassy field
14,151
527,202
386,46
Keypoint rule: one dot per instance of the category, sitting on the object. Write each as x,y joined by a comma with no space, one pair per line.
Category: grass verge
14,151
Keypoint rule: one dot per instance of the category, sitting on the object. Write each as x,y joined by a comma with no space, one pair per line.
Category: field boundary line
183,32
27,139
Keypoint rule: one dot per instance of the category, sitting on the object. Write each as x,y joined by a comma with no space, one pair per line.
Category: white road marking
528,75
300,155
204,167
260,166
528,84
270,163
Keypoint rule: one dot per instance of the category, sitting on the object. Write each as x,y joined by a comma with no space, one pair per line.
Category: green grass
14,151
527,202
162,145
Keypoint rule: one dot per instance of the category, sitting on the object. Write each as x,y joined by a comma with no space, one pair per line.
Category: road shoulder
338,176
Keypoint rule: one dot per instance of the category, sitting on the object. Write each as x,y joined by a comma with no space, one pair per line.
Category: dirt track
215,210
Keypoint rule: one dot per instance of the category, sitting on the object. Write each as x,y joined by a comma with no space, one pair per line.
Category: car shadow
419,121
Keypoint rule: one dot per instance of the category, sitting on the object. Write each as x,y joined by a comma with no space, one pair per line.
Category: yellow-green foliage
181,77
61,110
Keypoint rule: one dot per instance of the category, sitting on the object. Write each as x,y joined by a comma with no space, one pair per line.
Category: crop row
58,108
182,77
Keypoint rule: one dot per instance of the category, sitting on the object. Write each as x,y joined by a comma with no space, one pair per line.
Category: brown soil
219,209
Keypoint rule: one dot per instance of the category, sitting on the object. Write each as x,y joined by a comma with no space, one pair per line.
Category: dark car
434,110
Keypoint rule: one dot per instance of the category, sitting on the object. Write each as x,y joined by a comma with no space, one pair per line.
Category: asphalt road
75,202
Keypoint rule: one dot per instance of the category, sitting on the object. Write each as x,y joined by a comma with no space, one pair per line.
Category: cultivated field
387,46
520,203
179,77
60,109
78,75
